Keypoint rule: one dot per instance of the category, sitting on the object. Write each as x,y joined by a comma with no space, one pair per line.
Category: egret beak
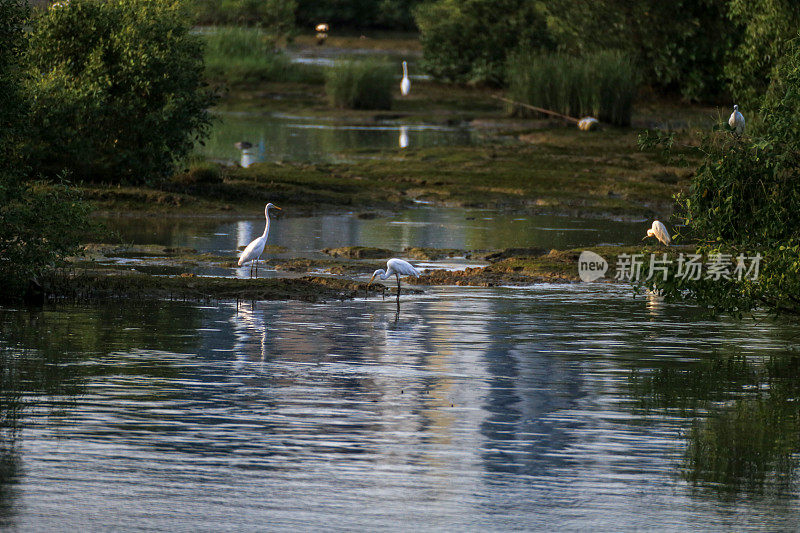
646,236
278,208
370,281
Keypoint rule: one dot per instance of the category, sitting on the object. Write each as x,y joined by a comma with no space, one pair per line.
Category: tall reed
363,84
248,55
602,84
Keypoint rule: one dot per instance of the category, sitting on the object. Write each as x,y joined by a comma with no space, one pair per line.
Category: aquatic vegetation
364,84
236,55
602,84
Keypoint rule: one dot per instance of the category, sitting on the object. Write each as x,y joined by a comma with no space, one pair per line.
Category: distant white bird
322,27
659,231
736,121
403,140
395,267
256,248
405,85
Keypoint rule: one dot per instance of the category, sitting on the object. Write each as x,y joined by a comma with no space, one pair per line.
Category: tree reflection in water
745,430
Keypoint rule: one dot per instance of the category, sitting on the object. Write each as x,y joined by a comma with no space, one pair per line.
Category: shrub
362,14
467,41
116,88
766,28
248,55
602,84
276,17
360,84
678,46
745,199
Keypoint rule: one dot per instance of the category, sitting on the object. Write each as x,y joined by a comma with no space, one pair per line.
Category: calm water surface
465,229
571,407
286,138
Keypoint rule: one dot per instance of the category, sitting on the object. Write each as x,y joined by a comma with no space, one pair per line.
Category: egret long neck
266,226
405,70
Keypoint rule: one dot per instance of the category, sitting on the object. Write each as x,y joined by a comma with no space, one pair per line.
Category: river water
567,407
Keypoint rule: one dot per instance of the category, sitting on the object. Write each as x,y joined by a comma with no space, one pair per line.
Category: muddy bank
90,285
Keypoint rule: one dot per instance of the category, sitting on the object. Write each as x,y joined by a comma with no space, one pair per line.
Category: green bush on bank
248,55
360,84
602,84
467,41
745,199
276,17
116,89
40,222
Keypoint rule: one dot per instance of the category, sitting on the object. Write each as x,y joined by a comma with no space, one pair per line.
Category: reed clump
363,84
602,84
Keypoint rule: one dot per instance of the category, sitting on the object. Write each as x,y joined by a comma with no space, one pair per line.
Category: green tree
745,200
116,89
468,40
275,17
766,29
40,222
680,45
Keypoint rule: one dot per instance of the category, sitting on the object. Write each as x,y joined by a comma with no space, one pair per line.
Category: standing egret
403,140
659,231
395,267
405,85
256,248
736,121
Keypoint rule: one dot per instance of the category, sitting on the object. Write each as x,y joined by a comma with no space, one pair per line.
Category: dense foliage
235,55
745,200
360,84
40,222
116,88
602,84
469,40
767,27
274,16
357,14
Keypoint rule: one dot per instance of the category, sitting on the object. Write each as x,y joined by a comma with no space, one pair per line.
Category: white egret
736,121
405,85
322,27
403,140
659,231
256,248
395,267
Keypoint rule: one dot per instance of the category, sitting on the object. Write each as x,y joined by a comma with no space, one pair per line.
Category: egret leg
398,287
251,269
256,262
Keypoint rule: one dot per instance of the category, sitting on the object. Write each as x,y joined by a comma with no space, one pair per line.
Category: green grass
360,84
236,56
602,84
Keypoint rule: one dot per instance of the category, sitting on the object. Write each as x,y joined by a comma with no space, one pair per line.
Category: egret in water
403,140
395,267
405,85
256,248
736,121
659,231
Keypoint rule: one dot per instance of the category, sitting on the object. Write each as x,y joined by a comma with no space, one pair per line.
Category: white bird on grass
736,121
256,248
405,85
659,231
395,267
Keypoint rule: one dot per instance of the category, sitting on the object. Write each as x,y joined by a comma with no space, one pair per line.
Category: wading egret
659,231
405,85
736,121
403,140
395,267
256,248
